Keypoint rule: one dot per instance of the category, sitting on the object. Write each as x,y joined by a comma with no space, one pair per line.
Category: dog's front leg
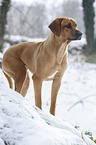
56,84
37,89
55,88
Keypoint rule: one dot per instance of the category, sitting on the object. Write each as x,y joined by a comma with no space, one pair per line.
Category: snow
19,38
21,122
77,44
1,142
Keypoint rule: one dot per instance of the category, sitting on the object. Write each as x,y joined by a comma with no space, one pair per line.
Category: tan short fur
42,59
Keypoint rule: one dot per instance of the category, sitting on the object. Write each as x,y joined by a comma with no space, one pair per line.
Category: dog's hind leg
25,85
9,80
21,80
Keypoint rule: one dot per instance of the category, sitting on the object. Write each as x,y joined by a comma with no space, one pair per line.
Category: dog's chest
61,53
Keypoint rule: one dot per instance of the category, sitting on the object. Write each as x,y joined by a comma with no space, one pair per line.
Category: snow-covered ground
76,102
22,123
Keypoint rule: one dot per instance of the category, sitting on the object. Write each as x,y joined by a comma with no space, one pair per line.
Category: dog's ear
55,26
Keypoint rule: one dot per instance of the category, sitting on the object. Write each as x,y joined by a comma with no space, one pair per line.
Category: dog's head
66,28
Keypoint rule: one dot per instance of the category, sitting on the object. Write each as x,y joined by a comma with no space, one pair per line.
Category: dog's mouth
78,36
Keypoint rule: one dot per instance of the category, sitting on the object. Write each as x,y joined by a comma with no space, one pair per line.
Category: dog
42,59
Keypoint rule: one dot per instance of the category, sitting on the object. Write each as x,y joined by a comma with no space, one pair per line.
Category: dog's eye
68,26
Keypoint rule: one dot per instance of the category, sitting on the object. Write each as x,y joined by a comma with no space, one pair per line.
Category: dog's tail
9,80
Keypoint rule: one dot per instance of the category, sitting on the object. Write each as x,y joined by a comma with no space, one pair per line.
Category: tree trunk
89,14
4,7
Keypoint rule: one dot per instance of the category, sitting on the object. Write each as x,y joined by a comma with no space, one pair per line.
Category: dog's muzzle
78,36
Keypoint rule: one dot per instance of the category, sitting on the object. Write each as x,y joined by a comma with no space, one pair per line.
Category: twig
81,101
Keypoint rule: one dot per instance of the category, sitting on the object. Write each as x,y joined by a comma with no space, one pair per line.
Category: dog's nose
78,34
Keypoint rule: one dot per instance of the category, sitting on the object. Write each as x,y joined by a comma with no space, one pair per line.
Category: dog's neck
61,53
55,41
57,45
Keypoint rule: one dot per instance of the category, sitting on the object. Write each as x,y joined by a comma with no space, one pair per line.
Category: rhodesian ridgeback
42,59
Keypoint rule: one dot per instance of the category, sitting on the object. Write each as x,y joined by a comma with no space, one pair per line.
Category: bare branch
81,101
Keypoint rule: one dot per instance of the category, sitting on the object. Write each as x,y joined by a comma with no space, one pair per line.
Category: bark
4,8
89,15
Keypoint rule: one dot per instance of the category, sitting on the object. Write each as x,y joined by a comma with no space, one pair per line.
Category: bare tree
89,15
4,7
26,20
